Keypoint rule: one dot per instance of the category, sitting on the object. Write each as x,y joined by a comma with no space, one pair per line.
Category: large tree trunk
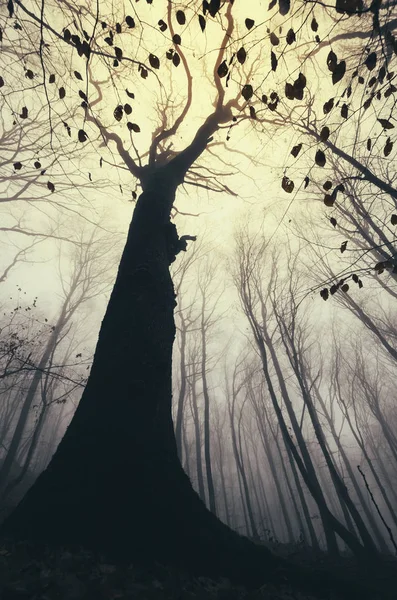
115,483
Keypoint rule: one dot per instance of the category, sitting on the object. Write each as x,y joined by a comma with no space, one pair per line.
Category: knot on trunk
176,244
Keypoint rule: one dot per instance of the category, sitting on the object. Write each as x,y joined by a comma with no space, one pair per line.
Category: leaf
130,22
247,91
386,124
339,72
130,94
108,40
343,247
249,23
118,112
10,8
287,185
241,55
328,106
307,181
37,164
314,24
162,25
272,4
345,287
393,219
332,61
283,7
127,109
51,78
388,147
274,61
176,38
333,222
274,40
223,69
78,75
344,111
327,185
291,37
118,52
1,82
118,28
296,149
202,22
369,144
154,61
83,96
176,59
29,74
324,294
51,186
24,113
324,134
289,91
329,200
17,166
252,112
180,17
133,127
320,158
370,61
82,136
143,72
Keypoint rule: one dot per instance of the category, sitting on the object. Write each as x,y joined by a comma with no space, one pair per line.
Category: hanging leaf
17,166
289,91
320,158
274,40
252,112
162,25
314,24
324,294
249,23
10,7
24,113
202,22
118,28
370,61
388,147
83,96
176,59
127,109
133,127
118,112
296,149
274,61
37,164
324,134
82,136
344,111
143,72
29,74
299,86
339,72
329,200
284,6
307,181
343,247
177,39
222,69
247,91
386,124
327,185
264,99
393,219
130,94
287,185
333,222
51,78
1,82
51,186
332,61
108,40
369,144
272,4
154,61
241,55
130,22
367,103
180,17
78,75
118,52
291,37
328,106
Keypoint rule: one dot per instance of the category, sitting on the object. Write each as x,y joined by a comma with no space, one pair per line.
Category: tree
115,476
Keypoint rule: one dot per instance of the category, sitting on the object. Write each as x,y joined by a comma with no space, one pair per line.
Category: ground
32,572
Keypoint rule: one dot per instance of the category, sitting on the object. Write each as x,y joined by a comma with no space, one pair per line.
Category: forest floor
31,572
